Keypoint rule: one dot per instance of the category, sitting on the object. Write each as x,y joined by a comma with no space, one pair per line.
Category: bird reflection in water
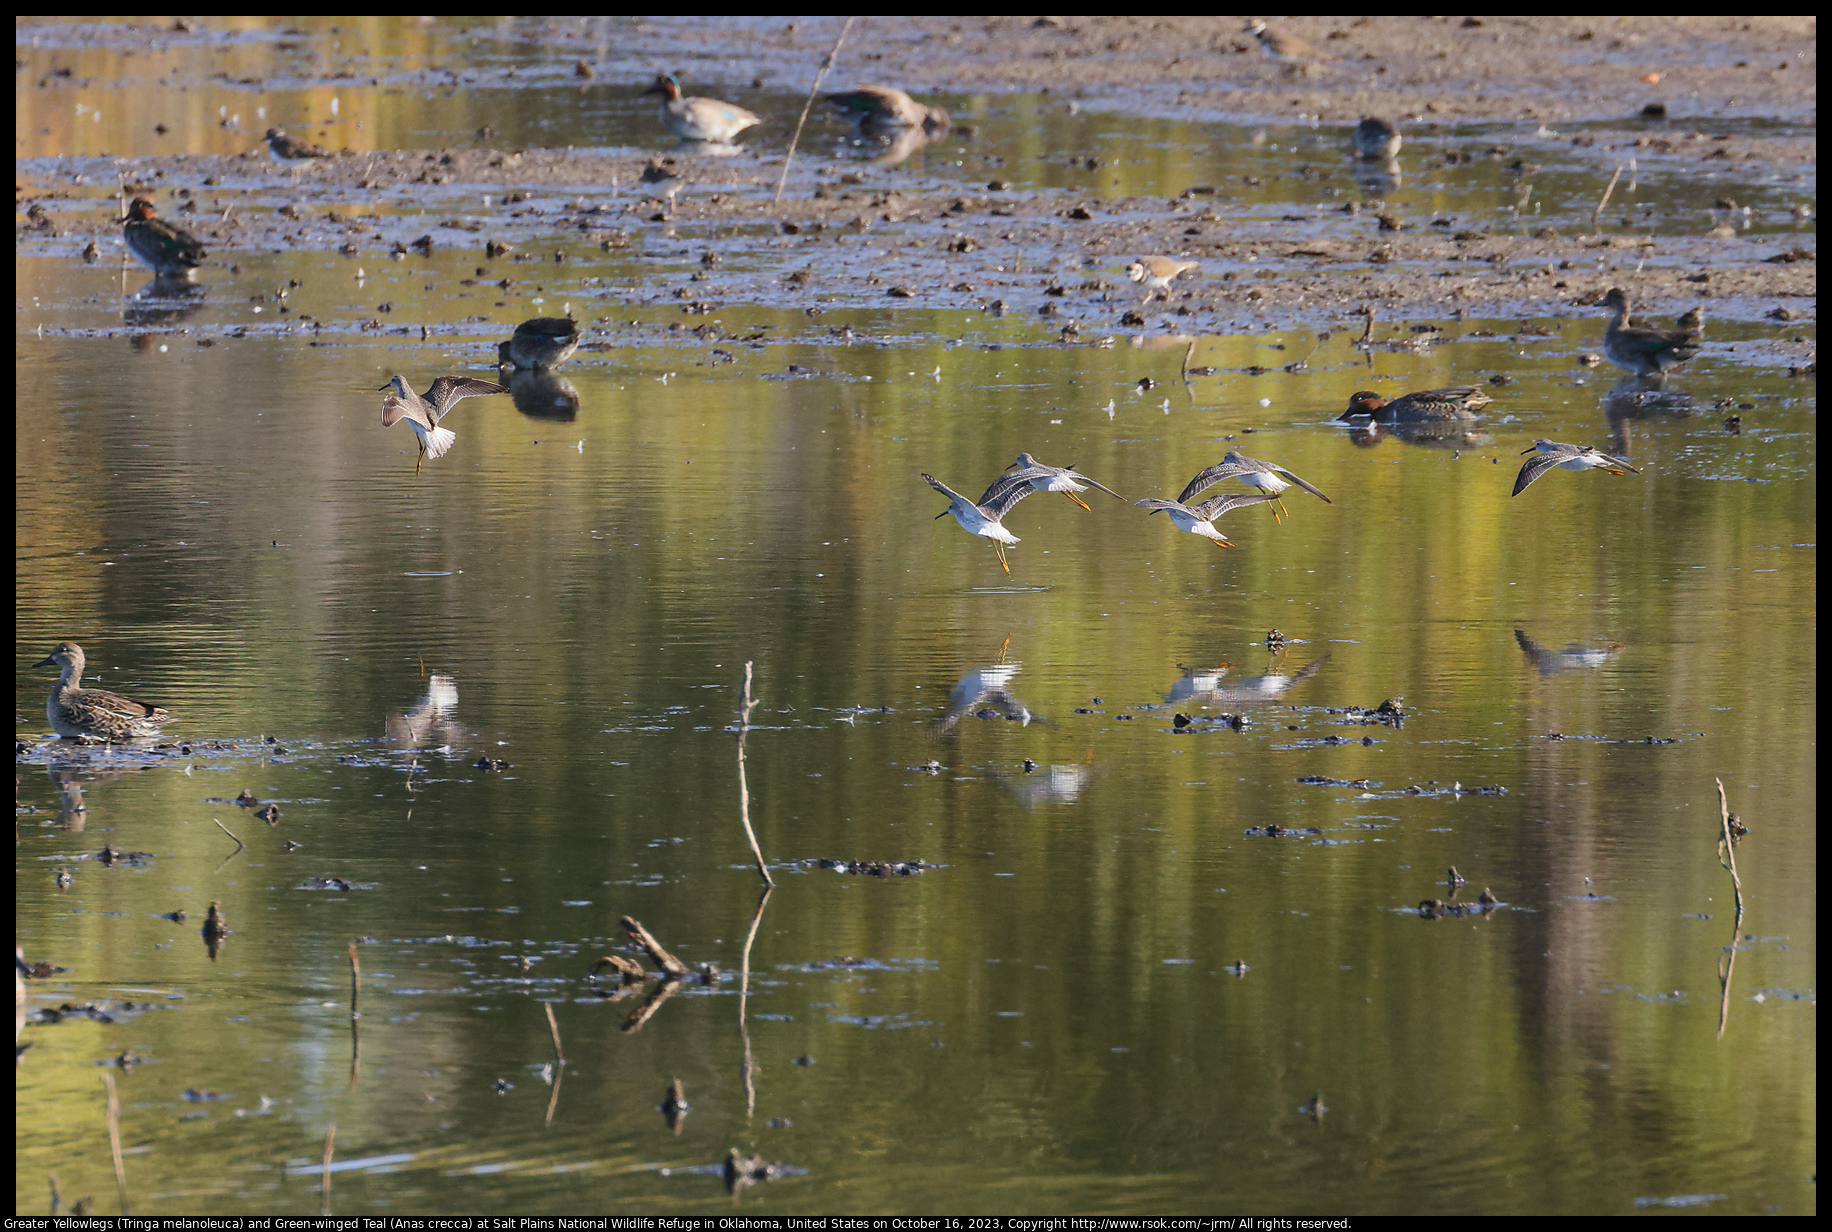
429,722
1207,685
1572,658
1051,784
983,693
1456,432
162,301
543,395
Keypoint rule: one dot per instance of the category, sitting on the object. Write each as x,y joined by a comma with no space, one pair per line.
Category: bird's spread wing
1006,491
1307,487
1095,483
1624,465
396,408
1215,506
1157,504
1208,478
1536,466
944,489
449,389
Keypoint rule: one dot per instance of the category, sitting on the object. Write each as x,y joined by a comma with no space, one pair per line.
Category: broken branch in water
806,107
663,959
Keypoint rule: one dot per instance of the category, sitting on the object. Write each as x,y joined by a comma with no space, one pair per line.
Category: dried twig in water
356,975
330,1136
1727,855
239,844
807,106
744,793
559,1054
663,959
114,1136
744,993
1596,218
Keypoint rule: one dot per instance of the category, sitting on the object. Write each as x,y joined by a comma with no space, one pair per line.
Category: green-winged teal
291,152
424,411
1376,140
983,517
1200,519
1548,454
1644,352
1157,273
77,713
1064,479
1252,472
884,108
1414,407
170,252
543,342
1692,321
699,119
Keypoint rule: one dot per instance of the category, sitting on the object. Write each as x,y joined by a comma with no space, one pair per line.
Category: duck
1413,407
542,342
170,252
1376,140
699,119
886,108
77,713
1644,352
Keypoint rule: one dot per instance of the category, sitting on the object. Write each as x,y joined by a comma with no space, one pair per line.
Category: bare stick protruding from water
553,1027
1596,219
114,1136
809,106
330,1136
744,791
239,844
663,959
356,975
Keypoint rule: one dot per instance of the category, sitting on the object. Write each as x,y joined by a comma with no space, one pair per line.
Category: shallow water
1107,996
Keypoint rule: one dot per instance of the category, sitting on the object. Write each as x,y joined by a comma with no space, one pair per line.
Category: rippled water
1105,995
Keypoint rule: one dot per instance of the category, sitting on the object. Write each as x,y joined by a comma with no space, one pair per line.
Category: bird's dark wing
1157,504
1207,479
449,389
1307,487
1004,493
1215,506
1536,466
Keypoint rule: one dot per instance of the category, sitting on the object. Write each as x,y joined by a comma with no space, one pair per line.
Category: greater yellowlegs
1252,472
291,152
1644,352
1157,273
77,713
1064,479
1375,139
170,252
1414,407
1200,519
543,342
982,518
699,119
884,108
1548,454
424,411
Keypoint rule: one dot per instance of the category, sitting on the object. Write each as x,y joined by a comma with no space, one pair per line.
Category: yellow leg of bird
1000,549
1282,508
1076,499
1221,543
419,462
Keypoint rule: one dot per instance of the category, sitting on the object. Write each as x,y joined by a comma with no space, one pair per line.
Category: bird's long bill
47,661
944,513
380,388
1529,449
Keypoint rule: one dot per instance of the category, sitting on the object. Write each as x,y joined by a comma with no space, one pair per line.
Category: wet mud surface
1030,205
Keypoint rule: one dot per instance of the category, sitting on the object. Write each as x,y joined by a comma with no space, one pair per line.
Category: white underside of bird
1266,481
976,523
1185,520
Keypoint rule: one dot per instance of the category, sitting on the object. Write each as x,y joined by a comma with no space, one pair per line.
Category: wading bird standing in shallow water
170,252
543,342
1549,454
699,119
423,412
1376,140
77,713
1644,352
